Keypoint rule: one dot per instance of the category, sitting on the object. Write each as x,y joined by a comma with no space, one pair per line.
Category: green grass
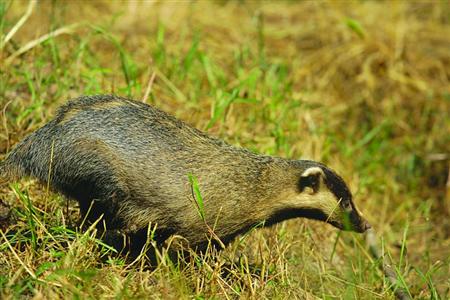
362,87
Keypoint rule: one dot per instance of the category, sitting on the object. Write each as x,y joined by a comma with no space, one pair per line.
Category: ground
361,86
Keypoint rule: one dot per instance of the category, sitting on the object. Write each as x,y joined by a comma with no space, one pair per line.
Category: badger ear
310,180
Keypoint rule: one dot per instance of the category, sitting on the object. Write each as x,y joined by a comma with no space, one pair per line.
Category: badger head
320,194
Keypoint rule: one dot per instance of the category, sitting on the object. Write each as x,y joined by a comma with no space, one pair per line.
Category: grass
361,86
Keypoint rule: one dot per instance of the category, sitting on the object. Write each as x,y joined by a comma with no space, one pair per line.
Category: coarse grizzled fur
130,162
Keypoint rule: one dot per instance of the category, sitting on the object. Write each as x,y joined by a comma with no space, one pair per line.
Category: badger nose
365,225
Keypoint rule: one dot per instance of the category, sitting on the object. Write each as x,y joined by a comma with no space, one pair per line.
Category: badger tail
9,172
4,174
20,162
30,157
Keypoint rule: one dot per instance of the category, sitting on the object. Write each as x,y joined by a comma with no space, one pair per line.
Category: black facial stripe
337,185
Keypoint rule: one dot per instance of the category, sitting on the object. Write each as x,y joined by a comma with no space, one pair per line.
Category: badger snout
355,222
363,226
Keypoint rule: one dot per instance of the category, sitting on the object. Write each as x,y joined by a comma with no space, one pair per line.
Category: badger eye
346,205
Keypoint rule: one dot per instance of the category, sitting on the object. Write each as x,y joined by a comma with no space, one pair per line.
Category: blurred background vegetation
361,86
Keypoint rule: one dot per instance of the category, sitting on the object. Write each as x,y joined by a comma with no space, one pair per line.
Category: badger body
132,165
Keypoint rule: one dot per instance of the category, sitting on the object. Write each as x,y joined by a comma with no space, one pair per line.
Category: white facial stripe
323,200
334,209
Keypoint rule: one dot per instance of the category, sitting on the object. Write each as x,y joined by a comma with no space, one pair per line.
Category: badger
130,164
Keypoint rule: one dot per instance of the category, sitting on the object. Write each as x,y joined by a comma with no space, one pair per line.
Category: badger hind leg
99,195
88,171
